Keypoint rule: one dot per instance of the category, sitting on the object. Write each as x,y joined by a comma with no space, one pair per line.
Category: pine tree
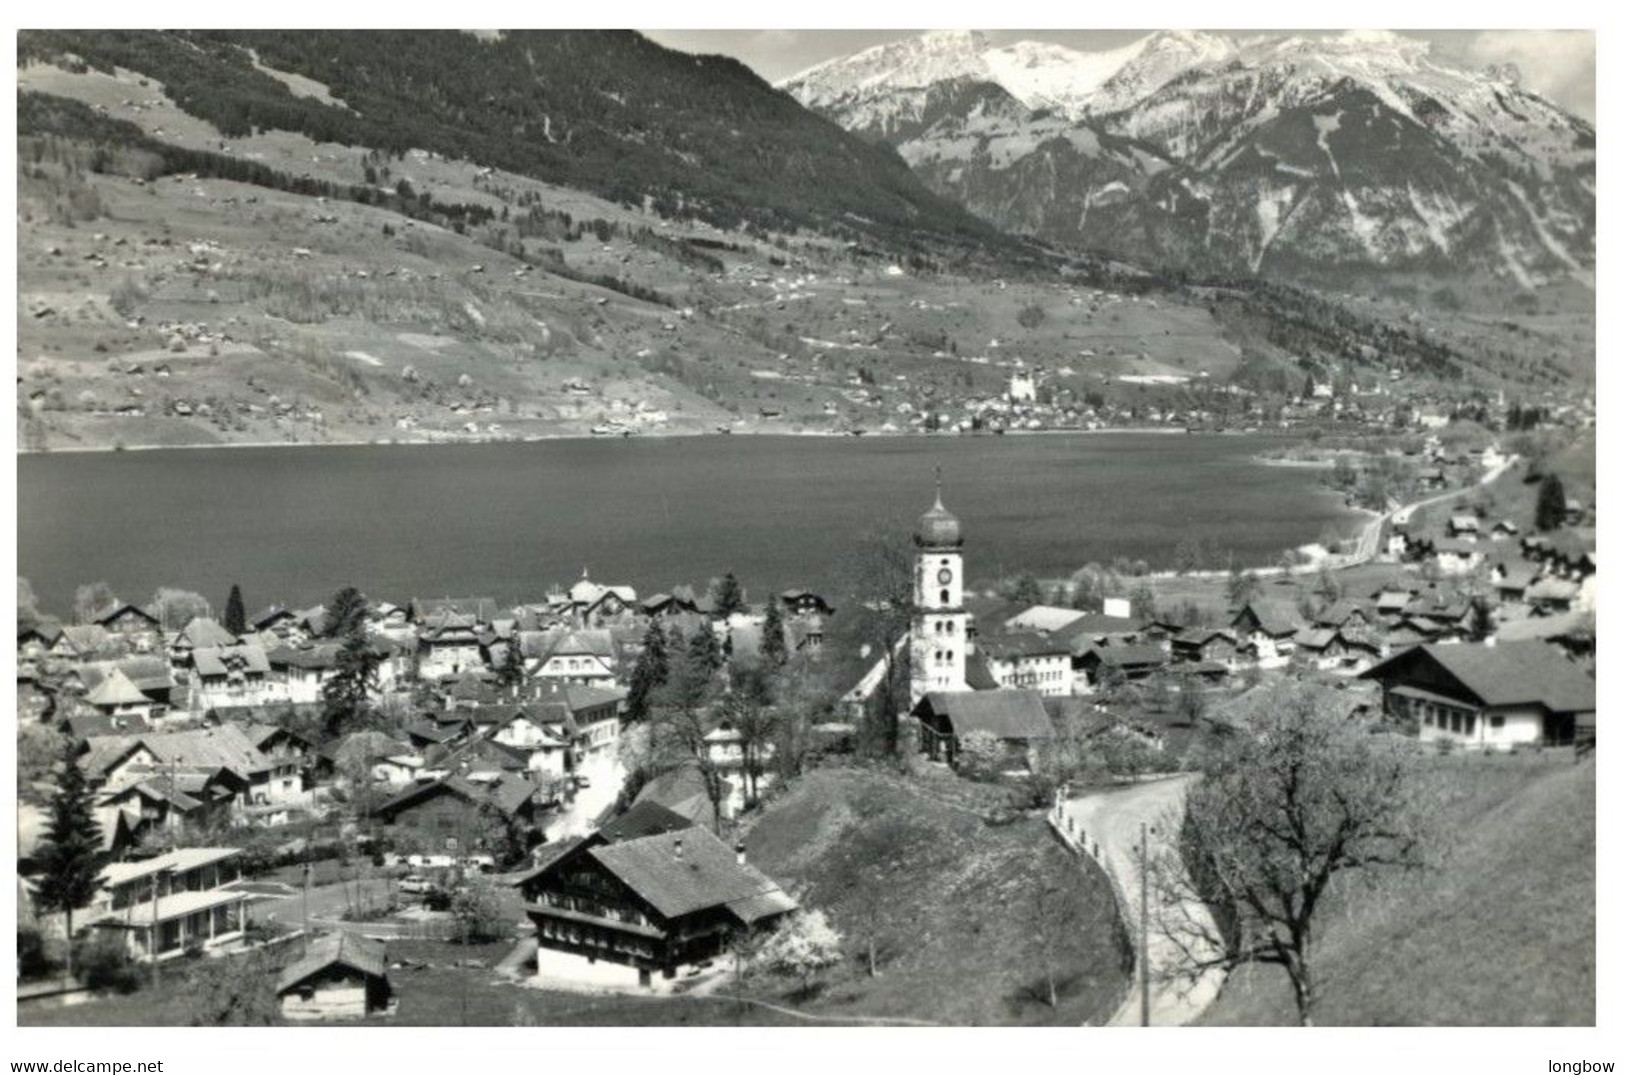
345,696
692,670
703,648
649,673
512,671
727,597
1551,505
773,647
70,854
236,616
346,613
355,673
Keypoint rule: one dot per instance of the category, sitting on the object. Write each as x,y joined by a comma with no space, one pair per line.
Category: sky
1558,64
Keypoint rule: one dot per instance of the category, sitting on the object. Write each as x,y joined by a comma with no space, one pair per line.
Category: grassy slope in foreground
1502,933
951,898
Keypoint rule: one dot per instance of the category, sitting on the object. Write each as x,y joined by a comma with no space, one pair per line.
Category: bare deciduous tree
879,577
1053,916
1300,797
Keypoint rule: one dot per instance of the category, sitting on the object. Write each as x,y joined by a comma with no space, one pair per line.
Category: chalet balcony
564,914
552,907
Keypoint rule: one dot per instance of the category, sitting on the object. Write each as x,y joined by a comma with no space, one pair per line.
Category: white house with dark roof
227,677
116,696
164,906
258,780
1028,660
200,632
588,657
1266,631
450,644
1494,696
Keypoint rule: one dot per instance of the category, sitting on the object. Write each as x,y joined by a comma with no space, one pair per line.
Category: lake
291,525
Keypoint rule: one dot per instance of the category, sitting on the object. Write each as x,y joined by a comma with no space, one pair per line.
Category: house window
1498,722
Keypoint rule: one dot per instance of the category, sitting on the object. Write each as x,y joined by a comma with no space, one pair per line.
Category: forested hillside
605,111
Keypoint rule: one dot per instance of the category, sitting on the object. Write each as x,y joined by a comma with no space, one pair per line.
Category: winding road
1367,547
1110,819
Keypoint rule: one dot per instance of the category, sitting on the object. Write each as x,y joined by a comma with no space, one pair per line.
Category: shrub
32,960
479,913
127,296
106,967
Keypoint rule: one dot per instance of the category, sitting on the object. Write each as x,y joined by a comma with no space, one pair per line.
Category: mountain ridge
1439,170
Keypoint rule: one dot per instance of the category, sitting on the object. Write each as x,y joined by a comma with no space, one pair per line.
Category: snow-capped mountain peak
1316,152
875,88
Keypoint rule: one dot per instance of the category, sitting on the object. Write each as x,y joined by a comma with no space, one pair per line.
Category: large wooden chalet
647,895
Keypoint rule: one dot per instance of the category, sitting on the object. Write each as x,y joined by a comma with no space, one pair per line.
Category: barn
342,976
1016,718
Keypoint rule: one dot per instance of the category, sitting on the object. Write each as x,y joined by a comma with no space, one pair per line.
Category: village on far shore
332,798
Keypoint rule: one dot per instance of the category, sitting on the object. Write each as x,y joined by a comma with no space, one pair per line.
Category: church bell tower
939,641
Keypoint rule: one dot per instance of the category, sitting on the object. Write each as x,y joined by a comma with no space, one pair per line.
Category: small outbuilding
341,977
1016,718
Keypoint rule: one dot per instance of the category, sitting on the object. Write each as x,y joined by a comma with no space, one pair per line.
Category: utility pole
1145,925
152,942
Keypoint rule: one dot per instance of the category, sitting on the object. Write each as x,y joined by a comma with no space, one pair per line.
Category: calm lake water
291,525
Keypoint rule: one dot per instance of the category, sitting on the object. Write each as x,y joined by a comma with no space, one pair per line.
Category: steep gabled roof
224,660
476,609
115,689
224,747
1007,647
508,794
1124,656
86,637
678,873
201,632
335,949
1201,636
47,631
641,819
273,615
1504,674
1007,714
318,657
1084,631
1273,618
115,609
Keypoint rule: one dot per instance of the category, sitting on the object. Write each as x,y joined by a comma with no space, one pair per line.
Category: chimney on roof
678,846
739,852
